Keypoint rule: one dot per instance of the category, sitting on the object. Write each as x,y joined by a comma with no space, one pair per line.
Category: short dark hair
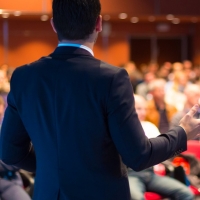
75,19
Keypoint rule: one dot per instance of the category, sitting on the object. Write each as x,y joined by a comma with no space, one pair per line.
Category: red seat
152,196
194,190
193,147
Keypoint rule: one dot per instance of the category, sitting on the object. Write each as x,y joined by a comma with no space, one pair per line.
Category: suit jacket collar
65,50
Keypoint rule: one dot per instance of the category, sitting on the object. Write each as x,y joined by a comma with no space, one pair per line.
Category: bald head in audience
192,93
140,106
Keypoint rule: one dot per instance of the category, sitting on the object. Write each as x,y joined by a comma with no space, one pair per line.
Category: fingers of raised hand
193,110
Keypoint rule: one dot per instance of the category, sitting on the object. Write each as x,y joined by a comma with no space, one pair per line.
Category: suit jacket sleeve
15,145
136,150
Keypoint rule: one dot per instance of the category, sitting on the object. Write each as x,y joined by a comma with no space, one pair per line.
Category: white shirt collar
76,45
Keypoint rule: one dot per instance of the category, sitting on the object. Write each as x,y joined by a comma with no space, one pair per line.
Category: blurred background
139,30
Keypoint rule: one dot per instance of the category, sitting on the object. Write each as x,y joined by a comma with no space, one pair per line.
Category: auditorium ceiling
134,11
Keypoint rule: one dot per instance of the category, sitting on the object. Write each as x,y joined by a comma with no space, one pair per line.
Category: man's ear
52,24
98,27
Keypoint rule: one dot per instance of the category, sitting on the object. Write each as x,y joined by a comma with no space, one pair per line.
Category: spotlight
44,18
123,15
176,21
194,19
134,20
106,17
5,15
151,18
17,13
170,17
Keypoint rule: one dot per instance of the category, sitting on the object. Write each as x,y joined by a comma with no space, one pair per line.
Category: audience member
134,75
11,185
158,111
176,67
9,73
164,71
2,109
142,88
197,74
178,83
153,67
192,93
143,68
4,83
188,69
147,180
174,90
4,68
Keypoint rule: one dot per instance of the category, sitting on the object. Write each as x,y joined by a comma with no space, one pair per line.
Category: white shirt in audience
151,131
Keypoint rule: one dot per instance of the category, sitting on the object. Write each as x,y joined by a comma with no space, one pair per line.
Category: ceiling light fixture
106,17
151,18
5,15
170,17
123,15
194,19
17,13
176,21
134,20
44,18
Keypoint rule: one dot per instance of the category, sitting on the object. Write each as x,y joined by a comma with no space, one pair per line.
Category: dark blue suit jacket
78,112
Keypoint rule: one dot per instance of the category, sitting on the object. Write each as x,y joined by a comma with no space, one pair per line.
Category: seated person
147,180
134,75
143,88
192,93
158,111
174,90
11,185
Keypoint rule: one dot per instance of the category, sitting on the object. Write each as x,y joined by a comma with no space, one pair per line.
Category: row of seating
193,148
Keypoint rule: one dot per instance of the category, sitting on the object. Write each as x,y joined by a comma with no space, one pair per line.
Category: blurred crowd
170,89
15,184
5,76
163,95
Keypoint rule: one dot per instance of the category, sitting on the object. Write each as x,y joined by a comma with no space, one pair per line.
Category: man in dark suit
78,113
